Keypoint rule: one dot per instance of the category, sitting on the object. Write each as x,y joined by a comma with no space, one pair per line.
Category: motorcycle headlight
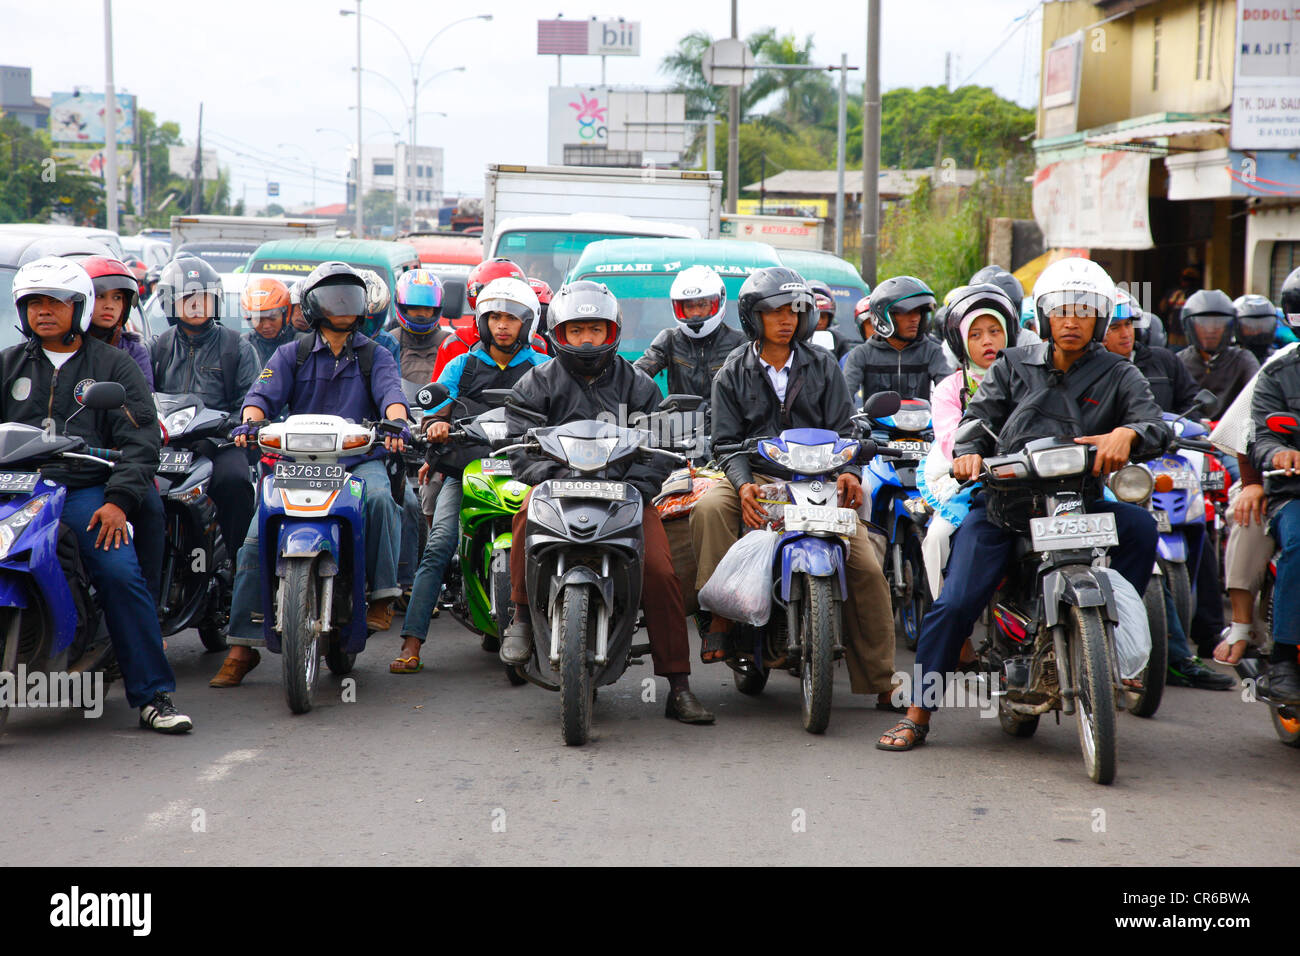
11,528
495,431
308,442
1060,462
807,459
1133,484
843,456
179,420
912,419
1196,507
588,454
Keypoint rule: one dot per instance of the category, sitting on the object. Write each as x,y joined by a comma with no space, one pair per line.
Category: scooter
197,570
803,633
898,507
49,619
585,546
311,528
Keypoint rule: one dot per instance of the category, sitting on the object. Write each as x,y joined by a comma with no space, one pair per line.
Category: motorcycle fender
13,589
819,557
1077,586
580,574
1172,547
306,539
502,541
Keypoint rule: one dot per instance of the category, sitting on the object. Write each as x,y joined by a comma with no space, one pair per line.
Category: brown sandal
919,732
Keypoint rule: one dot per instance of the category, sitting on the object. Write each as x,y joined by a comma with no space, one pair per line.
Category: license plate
842,521
1162,522
611,490
1073,532
14,482
1186,481
1212,480
305,475
173,461
494,466
917,447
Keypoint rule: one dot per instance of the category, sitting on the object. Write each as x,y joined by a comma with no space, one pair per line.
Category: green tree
971,124
34,185
379,209
154,142
806,98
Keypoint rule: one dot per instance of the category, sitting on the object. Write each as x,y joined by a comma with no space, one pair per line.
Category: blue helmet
419,287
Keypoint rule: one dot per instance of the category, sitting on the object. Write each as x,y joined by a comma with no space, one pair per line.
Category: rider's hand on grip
396,433
967,467
438,431
1288,461
751,511
243,434
1113,449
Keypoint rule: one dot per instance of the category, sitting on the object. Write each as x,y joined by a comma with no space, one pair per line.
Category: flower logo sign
589,114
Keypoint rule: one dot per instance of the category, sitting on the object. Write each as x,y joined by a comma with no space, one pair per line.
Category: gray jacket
876,366
218,365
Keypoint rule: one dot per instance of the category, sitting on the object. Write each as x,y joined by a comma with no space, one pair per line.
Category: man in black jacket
898,357
44,378
694,350
590,381
776,383
1171,384
1209,318
1075,299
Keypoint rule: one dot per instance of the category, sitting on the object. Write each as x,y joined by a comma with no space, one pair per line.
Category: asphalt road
454,766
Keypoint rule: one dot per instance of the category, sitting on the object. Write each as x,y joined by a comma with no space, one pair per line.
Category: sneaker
160,714
1193,673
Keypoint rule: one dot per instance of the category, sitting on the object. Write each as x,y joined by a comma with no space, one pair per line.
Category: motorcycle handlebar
1195,444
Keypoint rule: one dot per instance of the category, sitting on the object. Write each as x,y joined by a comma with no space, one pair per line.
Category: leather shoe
233,671
379,615
1281,685
1193,673
685,706
517,641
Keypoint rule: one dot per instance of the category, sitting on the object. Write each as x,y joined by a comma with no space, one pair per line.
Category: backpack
365,354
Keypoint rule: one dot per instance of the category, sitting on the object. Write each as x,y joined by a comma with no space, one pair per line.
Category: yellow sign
819,208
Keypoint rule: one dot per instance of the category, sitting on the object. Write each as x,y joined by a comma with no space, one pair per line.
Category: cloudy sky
271,72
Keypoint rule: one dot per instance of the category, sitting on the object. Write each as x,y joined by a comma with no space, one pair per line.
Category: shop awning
1162,129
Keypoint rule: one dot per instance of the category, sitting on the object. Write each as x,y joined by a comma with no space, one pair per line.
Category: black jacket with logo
32,390
1277,391
691,363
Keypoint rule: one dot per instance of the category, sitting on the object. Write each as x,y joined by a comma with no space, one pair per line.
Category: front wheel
1146,702
1091,670
11,620
1180,588
577,632
299,648
819,624
915,601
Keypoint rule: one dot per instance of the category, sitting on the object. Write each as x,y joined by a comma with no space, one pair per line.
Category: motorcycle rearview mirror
883,404
969,430
495,397
432,395
104,395
529,413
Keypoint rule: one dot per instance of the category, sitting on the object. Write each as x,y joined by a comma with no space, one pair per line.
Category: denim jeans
383,527
1286,615
150,525
128,609
409,553
438,549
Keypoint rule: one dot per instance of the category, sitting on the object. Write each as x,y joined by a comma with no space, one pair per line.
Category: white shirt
58,358
779,377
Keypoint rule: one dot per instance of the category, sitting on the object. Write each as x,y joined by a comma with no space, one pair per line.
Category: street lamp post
397,138
312,162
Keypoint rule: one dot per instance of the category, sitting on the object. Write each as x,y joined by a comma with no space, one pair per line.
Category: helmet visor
266,315
697,310
1257,324
1075,303
1210,330
341,299
517,309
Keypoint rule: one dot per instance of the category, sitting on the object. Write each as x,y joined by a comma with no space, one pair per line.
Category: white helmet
691,284
1074,281
513,296
61,279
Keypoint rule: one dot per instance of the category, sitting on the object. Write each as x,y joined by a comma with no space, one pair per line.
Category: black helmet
333,288
1209,309
1004,280
962,305
1289,300
182,276
1256,321
768,290
903,294
585,301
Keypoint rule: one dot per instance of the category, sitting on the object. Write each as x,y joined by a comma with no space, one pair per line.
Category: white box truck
258,229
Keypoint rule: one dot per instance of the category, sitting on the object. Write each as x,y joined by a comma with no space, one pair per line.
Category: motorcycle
311,537
803,633
897,506
49,619
584,545
197,569
1051,646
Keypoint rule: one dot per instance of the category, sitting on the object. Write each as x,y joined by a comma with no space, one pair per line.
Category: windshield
223,260
9,334
550,255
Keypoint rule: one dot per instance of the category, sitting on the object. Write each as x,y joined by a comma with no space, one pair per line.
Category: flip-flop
402,665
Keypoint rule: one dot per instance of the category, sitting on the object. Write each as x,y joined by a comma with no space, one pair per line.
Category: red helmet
543,290
862,313
108,273
485,272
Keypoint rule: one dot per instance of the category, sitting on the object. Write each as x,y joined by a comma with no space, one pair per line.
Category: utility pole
196,197
947,71
839,156
110,123
733,125
361,214
870,214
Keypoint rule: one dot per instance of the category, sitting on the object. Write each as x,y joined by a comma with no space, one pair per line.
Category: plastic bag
1133,632
682,489
741,586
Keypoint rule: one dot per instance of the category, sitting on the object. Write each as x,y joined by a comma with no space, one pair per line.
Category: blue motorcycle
803,633
898,507
311,536
49,619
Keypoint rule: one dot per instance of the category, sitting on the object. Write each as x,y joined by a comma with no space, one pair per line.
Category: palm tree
806,97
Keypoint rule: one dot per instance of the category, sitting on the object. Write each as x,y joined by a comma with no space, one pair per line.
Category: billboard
1098,201
577,116
589,37
180,162
644,106
92,159
1266,80
78,117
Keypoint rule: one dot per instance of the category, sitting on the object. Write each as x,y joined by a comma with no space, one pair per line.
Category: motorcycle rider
335,371
1214,362
589,380
378,299
1074,298
200,355
778,382
825,299
543,291
418,305
465,329
897,357
1004,280
507,317
1171,383
295,308
1257,326
695,348
264,300
44,378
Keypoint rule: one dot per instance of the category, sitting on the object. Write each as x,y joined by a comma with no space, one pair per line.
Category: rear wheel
338,662
501,612
1286,728
751,677
1091,670
299,647
1146,702
577,630
213,638
818,627
915,601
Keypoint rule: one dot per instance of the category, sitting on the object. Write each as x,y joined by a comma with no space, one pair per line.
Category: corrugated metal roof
822,182
1157,130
